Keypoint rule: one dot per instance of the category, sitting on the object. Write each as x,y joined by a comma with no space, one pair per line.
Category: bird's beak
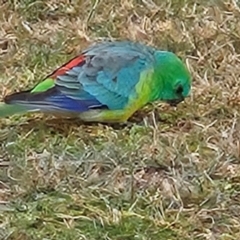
175,102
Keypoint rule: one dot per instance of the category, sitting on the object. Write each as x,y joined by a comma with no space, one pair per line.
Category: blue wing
108,75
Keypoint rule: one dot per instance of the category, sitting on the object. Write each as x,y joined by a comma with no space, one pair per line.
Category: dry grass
172,174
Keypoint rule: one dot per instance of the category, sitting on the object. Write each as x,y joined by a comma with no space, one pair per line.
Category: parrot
107,82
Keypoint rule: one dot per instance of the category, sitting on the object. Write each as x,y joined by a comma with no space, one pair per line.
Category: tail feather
51,101
7,110
27,96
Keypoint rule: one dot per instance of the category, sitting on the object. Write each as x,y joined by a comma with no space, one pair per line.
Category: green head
172,78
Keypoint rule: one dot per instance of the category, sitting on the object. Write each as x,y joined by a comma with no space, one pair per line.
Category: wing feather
109,73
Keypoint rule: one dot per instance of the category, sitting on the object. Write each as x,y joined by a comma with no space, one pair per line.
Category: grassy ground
173,174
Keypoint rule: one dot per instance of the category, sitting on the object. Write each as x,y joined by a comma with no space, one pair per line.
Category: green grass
170,174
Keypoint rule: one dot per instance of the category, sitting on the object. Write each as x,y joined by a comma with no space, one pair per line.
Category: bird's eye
179,90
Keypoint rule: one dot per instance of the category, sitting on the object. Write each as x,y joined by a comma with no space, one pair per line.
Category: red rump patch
67,66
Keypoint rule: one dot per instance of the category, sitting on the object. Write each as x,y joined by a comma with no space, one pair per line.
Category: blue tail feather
54,100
